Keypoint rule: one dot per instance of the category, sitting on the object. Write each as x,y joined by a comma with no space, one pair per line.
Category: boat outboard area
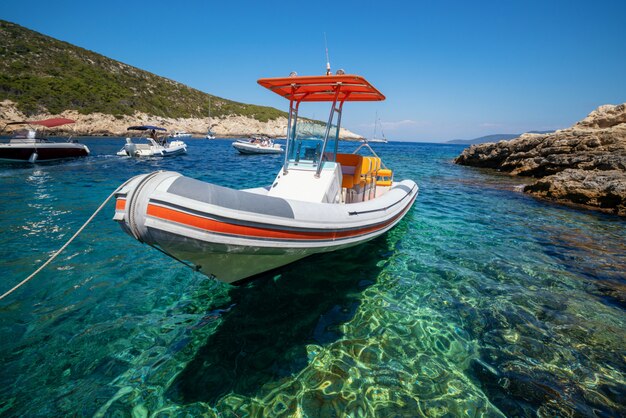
27,144
321,200
152,143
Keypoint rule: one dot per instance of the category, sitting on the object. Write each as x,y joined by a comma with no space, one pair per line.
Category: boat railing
367,145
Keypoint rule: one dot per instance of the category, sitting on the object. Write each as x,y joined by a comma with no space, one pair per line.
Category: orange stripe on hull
250,231
120,204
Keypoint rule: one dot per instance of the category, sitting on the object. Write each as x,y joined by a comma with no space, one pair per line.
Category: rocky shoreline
584,165
101,124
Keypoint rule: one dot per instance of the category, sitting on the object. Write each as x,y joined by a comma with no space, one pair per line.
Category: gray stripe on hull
407,189
229,198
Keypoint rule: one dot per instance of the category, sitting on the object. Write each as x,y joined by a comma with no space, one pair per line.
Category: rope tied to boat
60,250
131,223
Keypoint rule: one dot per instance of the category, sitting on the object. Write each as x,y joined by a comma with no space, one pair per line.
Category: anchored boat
27,145
258,145
181,134
320,201
155,145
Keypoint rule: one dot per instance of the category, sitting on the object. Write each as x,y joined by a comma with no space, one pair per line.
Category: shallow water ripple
482,302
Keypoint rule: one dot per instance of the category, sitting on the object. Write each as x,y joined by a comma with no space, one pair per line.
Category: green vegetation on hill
40,73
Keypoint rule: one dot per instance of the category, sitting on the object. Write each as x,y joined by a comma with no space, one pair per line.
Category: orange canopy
352,88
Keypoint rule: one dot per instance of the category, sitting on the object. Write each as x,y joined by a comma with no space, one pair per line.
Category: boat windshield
307,143
334,89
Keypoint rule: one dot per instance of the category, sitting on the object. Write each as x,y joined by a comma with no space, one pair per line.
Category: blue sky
449,69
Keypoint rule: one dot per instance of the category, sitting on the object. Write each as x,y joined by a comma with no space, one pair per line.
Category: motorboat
320,200
153,145
181,134
258,145
28,145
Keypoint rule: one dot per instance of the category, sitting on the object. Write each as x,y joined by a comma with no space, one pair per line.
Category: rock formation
99,124
584,164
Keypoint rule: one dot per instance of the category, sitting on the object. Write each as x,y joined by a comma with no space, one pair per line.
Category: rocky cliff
42,77
582,165
99,124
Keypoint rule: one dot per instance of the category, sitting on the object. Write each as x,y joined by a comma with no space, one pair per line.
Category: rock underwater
581,165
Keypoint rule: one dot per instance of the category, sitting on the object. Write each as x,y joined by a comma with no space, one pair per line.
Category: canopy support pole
292,122
334,109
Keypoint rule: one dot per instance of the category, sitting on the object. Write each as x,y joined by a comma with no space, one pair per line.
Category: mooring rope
55,255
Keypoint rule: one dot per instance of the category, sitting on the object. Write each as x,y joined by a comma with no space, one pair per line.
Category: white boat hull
41,151
234,234
153,149
248,148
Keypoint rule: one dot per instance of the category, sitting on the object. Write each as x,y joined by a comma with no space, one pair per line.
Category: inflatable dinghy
320,201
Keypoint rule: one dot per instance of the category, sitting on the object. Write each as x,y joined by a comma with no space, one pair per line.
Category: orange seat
372,176
374,167
384,177
350,169
366,169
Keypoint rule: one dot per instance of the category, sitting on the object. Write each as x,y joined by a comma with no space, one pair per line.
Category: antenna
327,58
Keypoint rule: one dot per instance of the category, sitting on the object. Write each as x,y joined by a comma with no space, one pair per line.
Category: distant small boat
181,134
27,146
374,139
154,146
209,134
258,145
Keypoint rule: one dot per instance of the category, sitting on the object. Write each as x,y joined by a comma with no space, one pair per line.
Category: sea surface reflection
482,301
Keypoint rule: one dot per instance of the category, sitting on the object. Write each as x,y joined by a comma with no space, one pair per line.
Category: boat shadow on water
263,338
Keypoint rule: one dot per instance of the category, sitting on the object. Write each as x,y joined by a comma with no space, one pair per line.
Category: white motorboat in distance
320,200
260,145
155,145
27,145
181,134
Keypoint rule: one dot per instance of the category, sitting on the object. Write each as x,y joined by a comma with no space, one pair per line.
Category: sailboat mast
375,125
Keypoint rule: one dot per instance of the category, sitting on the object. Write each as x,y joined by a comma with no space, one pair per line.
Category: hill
43,75
491,138
482,139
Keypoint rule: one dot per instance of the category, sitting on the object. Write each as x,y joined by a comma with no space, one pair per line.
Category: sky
449,69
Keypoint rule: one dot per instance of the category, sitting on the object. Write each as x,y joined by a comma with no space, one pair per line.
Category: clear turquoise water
482,302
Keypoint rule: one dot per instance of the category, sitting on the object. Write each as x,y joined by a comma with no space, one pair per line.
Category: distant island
491,138
582,165
42,77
